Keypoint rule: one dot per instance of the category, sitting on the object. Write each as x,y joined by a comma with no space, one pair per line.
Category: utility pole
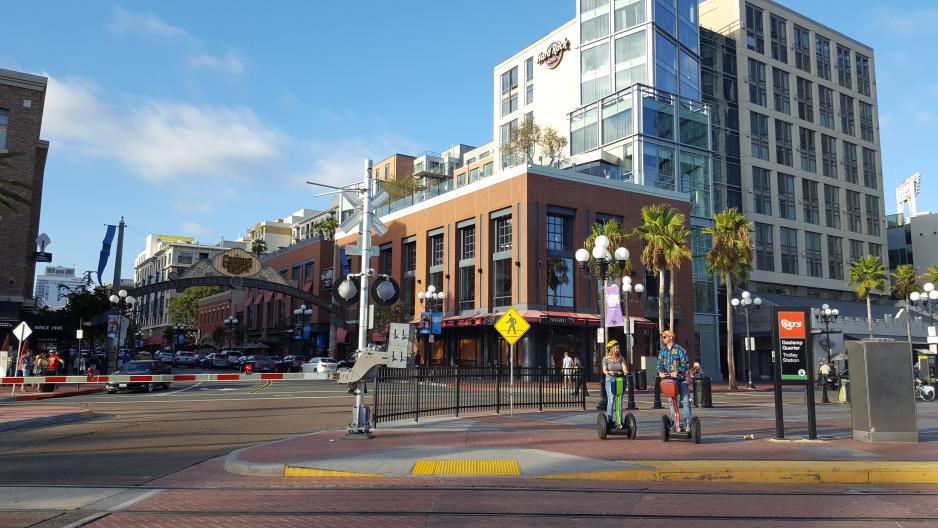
115,287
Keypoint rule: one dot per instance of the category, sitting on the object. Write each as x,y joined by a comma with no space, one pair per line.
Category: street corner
21,417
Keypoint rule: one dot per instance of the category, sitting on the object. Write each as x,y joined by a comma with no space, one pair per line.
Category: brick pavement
17,416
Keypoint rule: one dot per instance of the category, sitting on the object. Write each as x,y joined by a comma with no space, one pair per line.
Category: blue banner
105,251
113,326
424,326
436,323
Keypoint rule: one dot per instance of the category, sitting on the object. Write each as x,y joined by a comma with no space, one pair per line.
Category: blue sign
181,339
424,325
322,341
436,323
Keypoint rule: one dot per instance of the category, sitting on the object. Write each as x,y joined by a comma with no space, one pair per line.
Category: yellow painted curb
467,468
767,472
292,471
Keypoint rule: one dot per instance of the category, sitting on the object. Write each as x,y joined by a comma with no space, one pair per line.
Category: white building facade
54,285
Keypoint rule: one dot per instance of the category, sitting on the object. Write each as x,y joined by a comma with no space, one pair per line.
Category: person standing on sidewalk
580,377
567,367
673,362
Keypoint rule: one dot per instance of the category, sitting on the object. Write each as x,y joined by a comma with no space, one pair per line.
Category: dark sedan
140,368
292,363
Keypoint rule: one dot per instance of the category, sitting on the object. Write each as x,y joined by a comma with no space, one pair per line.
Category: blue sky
202,118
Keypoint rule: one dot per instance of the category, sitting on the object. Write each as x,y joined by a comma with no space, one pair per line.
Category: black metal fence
434,391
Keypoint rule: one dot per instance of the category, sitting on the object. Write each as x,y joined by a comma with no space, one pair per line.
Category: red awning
538,317
340,335
265,297
278,296
308,284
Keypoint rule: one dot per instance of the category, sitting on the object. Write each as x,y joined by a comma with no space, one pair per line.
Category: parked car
164,355
220,360
261,363
293,363
143,355
235,360
184,357
145,367
322,365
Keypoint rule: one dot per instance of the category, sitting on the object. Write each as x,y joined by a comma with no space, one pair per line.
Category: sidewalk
565,445
62,390
20,416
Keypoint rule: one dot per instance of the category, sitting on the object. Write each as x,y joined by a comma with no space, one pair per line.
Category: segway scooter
618,423
669,389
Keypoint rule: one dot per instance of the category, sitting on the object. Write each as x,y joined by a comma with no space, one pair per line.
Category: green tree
617,238
523,140
12,191
553,145
402,186
868,274
169,335
185,308
660,223
258,246
905,281
675,256
931,274
730,256
328,226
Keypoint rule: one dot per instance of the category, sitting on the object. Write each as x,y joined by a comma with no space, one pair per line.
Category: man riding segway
672,369
615,382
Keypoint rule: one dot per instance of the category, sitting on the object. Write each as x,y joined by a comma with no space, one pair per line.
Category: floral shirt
673,359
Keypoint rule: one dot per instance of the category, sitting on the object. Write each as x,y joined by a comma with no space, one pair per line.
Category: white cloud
159,140
342,162
194,229
230,63
126,22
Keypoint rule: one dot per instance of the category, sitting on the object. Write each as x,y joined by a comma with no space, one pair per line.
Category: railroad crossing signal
512,326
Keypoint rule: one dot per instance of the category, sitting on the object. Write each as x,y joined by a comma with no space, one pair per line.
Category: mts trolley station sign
791,358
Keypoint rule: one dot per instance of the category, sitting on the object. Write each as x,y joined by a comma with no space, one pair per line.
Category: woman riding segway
672,369
615,382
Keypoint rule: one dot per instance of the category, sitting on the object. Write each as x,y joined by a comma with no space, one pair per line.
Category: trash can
641,380
706,390
882,408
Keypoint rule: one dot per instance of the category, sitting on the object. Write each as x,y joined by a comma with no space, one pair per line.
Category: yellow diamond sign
512,326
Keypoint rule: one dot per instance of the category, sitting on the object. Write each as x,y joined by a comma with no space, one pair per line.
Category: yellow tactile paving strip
293,471
467,468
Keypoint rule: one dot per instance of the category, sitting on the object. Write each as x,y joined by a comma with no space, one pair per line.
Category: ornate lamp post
826,316
179,329
629,290
231,322
603,258
302,314
122,301
428,301
744,304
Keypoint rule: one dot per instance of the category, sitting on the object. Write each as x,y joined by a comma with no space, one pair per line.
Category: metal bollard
707,393
657,404
696,382
631,391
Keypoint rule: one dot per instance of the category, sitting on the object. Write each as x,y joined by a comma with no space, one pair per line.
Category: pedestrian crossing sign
512,326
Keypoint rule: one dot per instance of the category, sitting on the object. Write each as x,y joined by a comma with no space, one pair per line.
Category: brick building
213,310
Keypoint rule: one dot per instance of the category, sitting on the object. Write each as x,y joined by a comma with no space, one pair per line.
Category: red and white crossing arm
166,378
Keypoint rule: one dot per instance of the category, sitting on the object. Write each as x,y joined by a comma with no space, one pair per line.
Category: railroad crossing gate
165,378
512,326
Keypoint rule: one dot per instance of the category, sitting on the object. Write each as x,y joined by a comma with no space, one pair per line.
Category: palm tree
617,237
258,246
327,227
906,281
674,258
730,256
868,274
10,189
658,225
931,274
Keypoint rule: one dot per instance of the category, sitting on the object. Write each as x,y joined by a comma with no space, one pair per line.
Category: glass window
846,115
808,150
863,74
617,118
594,73
693,125
626,168
812,246
851,167
467,287
781,94
630,60
695,182
783,143
628,13
872,215
584,131
788,245
828,156
687,20
4,123
832,205
505,133
503,234
869,169
856,250
560,276
658,116
802,48
757,83
825,98
805,100
779,31
467,243
529,80
436,250
843,67
786,196
759,135
308,268
866,121
809,196
764,246
762,191
594,19
558,232
659,166
410,256
876,250
835,257
853,211
755,29
690,76
664,15
822,50
509,91
501,283
665,64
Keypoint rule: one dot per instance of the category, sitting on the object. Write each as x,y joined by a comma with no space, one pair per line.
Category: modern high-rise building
54,285
801,99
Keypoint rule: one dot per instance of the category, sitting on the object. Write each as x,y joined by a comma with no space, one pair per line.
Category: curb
48,395
46,420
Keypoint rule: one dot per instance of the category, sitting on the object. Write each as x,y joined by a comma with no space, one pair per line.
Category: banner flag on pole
613,308
105,251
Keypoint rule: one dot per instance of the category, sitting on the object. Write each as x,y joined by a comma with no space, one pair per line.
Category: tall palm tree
905,282
658,224
868,274
730,256
674,257
931,274
10,189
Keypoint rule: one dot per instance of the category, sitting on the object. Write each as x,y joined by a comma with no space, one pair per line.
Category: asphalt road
136,437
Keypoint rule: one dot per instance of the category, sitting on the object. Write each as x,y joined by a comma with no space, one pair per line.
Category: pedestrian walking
579,377
673,362
28,363
567,367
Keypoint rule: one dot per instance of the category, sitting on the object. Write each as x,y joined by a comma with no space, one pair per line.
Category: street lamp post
827,316
628,290
122,301
925,300
302,313
178,330
743,304
231,322
427,299
603,258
